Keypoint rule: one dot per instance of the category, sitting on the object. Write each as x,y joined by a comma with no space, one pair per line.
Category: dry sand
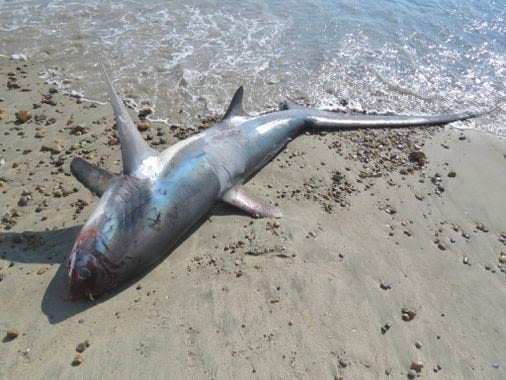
244,298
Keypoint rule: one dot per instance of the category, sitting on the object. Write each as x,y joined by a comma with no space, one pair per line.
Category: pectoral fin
237,197
95,179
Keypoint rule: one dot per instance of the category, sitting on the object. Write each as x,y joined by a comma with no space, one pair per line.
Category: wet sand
370,227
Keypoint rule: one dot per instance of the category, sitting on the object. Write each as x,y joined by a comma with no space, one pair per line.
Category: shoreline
369,229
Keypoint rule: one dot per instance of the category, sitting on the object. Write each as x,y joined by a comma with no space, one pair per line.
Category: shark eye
83,273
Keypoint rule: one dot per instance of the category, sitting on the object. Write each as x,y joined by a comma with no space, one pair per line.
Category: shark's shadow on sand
52,247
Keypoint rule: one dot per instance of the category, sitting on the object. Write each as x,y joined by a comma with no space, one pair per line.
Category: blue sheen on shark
146,210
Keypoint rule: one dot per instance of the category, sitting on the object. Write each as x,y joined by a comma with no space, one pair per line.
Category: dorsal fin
235,107
134,149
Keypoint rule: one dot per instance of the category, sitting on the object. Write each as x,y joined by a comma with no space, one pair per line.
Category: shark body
144,212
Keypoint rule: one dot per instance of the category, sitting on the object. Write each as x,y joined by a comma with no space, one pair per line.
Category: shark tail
331,120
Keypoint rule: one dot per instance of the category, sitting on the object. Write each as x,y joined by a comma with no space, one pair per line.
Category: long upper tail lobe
332,120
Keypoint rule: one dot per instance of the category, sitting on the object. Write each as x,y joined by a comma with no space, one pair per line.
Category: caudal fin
332,120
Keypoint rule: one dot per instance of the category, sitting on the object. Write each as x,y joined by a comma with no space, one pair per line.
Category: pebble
54,149
452,174
11,334
41,271
390,210
495,365
408,314
81,347
441,246
417,366
418,344
143,126
466,260
502,258
418,156
23,116
411,374
385,285
78,359
481,227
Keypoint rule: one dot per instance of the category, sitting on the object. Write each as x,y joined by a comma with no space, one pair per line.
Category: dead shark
145,211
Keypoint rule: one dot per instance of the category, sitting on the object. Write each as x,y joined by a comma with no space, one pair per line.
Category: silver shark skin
144,212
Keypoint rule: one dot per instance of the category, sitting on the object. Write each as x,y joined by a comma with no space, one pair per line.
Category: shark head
86,275
110,245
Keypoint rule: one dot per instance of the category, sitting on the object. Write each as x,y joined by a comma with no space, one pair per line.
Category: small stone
23,116
343,363
418,344
391,210
145,112
53,149
495,365
417,366
481,227
23,201
81,347
411,374
275,224
385,285
408,314
143,126
78,359
41,271
11,334
502,258
418,156
441,246
452,174
466,260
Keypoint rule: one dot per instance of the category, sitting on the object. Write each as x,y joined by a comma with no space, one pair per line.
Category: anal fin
236,196
95,179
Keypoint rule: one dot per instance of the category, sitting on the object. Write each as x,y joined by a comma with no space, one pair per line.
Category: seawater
187,58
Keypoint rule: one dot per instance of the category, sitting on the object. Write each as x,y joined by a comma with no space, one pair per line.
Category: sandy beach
385,265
